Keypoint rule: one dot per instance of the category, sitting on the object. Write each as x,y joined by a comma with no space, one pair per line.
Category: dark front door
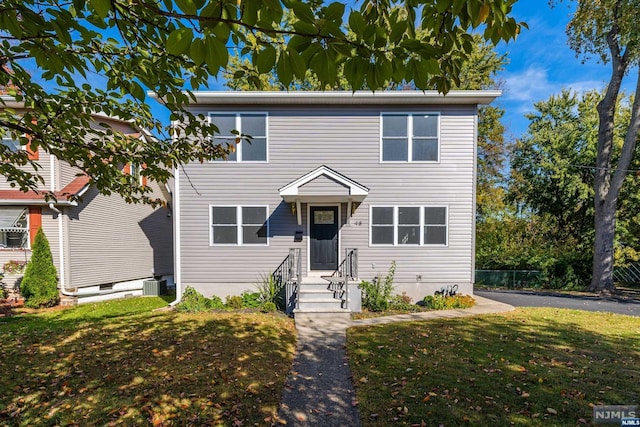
323,235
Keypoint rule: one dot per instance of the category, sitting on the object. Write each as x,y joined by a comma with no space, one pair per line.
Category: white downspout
177,273
63,290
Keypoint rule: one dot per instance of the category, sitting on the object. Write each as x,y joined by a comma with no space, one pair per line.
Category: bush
376,294
39,286
268,307
270,290
194,302
234,302
250,299
439,302
402,303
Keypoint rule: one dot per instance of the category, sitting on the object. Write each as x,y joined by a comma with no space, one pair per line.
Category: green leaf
250,12
284,69
324,66
265,59
189,7
356,23
303,12
431,66
197,51
102,7
297,64
137,91
216,54
334,12
179,40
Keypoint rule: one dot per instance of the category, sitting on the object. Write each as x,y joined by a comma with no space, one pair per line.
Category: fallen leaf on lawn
364,380
552,411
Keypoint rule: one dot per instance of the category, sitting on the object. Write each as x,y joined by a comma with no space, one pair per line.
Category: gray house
333,187
102,247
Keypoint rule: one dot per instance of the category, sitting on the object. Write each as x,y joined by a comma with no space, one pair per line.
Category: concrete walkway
319,391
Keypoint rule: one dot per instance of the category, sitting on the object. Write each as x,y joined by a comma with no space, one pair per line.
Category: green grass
119,363
530,367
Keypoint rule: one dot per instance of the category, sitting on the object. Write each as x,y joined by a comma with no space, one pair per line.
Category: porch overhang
336,188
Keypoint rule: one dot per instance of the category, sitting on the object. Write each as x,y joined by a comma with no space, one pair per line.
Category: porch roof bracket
299,211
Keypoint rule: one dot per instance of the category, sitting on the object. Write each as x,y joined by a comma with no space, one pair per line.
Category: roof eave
456,97
35,202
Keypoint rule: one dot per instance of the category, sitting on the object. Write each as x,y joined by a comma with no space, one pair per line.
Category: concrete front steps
317,300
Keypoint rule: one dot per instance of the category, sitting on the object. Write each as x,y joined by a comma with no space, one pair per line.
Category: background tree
39,285
552,181
53,53
608,30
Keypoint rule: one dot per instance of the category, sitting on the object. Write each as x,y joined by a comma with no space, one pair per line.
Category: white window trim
238,225
409,115
422,226
136,169
3,239
239,129
6,136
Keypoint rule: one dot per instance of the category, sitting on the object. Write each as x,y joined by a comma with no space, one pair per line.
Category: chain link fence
514,279
628,276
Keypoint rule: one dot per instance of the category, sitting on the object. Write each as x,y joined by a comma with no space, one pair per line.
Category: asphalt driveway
539,299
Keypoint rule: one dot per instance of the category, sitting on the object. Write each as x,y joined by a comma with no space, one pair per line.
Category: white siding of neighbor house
346,139
110,241
44,161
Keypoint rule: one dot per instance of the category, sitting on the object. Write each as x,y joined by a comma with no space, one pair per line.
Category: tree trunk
603,250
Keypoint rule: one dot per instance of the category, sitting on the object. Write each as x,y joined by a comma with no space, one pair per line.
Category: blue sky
541,63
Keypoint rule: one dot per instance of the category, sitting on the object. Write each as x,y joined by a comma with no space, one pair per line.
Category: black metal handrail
347,271
288,274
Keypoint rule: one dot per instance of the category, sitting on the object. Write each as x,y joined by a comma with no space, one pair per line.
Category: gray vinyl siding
112,241
44,160
346,139
323,185
66,173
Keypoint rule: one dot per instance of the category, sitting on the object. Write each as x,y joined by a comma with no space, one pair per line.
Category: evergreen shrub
39,285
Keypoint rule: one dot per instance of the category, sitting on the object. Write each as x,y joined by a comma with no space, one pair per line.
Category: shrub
439,302
39,286
268,307
234,302
271,290
194,302
402,303
376,294
250,299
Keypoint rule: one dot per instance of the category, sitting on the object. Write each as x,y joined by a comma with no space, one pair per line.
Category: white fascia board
34,202
396,97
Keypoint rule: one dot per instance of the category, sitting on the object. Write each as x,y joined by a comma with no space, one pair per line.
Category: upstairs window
13,144
410,137
408,225
14,227
239,225
252,124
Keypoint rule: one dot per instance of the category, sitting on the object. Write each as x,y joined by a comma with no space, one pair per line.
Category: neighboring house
367,177
102,247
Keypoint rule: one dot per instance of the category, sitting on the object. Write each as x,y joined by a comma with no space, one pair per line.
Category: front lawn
532,367
118,363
